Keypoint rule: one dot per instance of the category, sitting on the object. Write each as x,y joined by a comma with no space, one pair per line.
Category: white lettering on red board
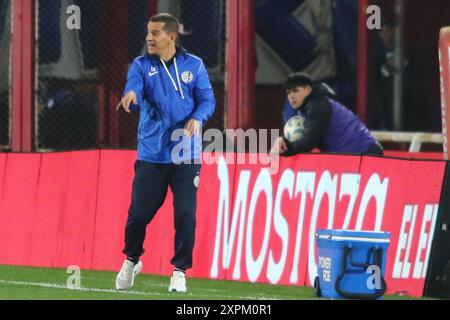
275,269
229,239
402,264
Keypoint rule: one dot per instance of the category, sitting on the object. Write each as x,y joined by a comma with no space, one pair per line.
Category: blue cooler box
351,264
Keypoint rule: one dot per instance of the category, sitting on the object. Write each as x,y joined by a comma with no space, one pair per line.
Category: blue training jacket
167,97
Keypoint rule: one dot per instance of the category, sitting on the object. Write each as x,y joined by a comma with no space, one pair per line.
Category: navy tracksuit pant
149,191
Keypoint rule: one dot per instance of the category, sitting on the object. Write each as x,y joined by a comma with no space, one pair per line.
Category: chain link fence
5,78
81,69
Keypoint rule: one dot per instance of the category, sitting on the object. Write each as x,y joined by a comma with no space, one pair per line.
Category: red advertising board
251,225
265,225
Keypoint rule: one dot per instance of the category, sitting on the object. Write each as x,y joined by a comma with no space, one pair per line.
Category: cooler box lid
349,235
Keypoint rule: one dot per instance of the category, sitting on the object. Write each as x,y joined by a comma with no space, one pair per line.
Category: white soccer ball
293,129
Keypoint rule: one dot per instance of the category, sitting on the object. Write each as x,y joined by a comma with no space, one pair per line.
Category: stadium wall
61,209
437,283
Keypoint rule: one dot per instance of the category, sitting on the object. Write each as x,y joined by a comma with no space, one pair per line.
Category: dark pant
376,149
149,191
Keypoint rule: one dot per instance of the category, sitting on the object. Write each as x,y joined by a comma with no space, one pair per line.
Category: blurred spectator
66,118
328,125
345,35
384,71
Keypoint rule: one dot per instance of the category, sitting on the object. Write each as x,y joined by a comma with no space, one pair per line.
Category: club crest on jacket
187,77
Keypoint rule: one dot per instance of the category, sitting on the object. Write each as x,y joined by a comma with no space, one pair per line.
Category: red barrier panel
71,208
114,189
411,208
18,207
48,221
79,216
63,226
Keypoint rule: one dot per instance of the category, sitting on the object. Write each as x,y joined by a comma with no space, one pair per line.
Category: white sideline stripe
215,291
59,286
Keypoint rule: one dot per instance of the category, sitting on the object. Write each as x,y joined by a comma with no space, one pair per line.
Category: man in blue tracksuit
328,125
172,91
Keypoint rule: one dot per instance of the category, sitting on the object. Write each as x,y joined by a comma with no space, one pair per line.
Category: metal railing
416,139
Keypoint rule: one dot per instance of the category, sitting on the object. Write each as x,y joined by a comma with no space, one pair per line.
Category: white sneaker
125,278
177,282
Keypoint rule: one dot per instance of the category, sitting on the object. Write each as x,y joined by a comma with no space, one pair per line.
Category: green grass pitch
23,283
